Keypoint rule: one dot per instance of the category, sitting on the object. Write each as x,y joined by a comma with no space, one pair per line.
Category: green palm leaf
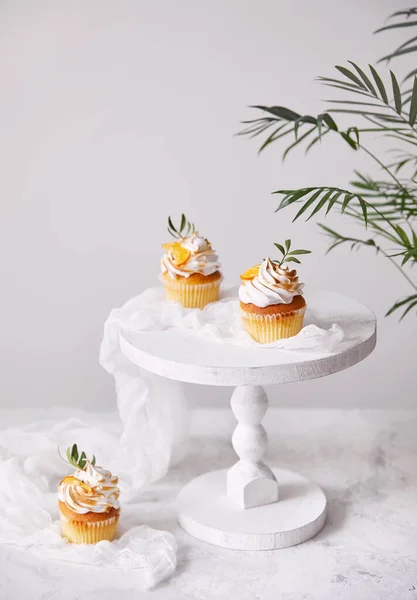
397,93
410,300
365,78
413,104
380,84
347,73
397,26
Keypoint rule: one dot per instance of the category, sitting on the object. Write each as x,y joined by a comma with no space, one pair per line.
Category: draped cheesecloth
139,447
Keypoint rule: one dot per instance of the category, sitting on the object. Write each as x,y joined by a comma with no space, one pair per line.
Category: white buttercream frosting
274,284
92,489
202,259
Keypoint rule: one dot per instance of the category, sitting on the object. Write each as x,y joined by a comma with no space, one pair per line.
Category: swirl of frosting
92,489
274,284
202,258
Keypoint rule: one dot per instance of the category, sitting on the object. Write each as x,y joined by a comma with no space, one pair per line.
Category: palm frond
398,201
381,103
404,160
403,22
389,99
381,218
285,121
322,196
377,103
338,239
408,303
397,26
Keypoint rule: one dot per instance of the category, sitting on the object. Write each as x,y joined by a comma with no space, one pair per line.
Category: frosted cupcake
271,301
190,267
88,501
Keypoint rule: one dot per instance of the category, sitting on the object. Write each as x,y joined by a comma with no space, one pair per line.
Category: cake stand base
205,512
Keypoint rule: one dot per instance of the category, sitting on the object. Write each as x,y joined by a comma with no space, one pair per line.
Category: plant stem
400,269
381,164
379,249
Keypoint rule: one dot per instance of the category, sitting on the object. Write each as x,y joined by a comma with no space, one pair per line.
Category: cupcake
88,502
190,267
271,301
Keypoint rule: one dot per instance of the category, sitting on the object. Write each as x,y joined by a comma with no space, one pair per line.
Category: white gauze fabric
30,471
220,321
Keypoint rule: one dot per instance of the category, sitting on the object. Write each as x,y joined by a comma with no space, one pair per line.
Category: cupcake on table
88,501
271,299
190,267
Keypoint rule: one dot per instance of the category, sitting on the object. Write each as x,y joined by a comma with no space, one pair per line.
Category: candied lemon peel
250,274
179,254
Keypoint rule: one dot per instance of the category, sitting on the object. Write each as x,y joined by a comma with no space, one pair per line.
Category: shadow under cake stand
251,506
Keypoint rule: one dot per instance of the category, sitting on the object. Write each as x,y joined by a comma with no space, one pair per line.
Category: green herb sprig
288,256
185,228
76,459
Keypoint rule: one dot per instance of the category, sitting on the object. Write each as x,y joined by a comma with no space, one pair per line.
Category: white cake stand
251,506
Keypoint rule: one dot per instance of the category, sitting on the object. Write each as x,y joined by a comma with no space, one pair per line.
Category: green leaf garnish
185,228
288,256
75,459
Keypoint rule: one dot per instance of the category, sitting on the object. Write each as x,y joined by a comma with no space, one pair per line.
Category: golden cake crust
275,309
89,517
195,278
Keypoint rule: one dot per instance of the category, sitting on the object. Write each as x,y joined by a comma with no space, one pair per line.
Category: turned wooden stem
250,482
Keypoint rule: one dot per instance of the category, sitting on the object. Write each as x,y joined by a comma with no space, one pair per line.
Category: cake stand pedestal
251,506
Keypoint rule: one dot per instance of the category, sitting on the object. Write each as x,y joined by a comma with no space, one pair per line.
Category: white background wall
114,114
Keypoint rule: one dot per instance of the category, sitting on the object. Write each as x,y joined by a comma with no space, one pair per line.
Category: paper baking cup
269,328
192,295
89,533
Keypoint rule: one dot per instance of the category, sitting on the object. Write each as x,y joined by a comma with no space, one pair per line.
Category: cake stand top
177,354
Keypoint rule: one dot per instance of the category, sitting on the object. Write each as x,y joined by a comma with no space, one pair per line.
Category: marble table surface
365,460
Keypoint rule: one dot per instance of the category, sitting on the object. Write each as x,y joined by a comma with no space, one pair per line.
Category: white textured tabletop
364,460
